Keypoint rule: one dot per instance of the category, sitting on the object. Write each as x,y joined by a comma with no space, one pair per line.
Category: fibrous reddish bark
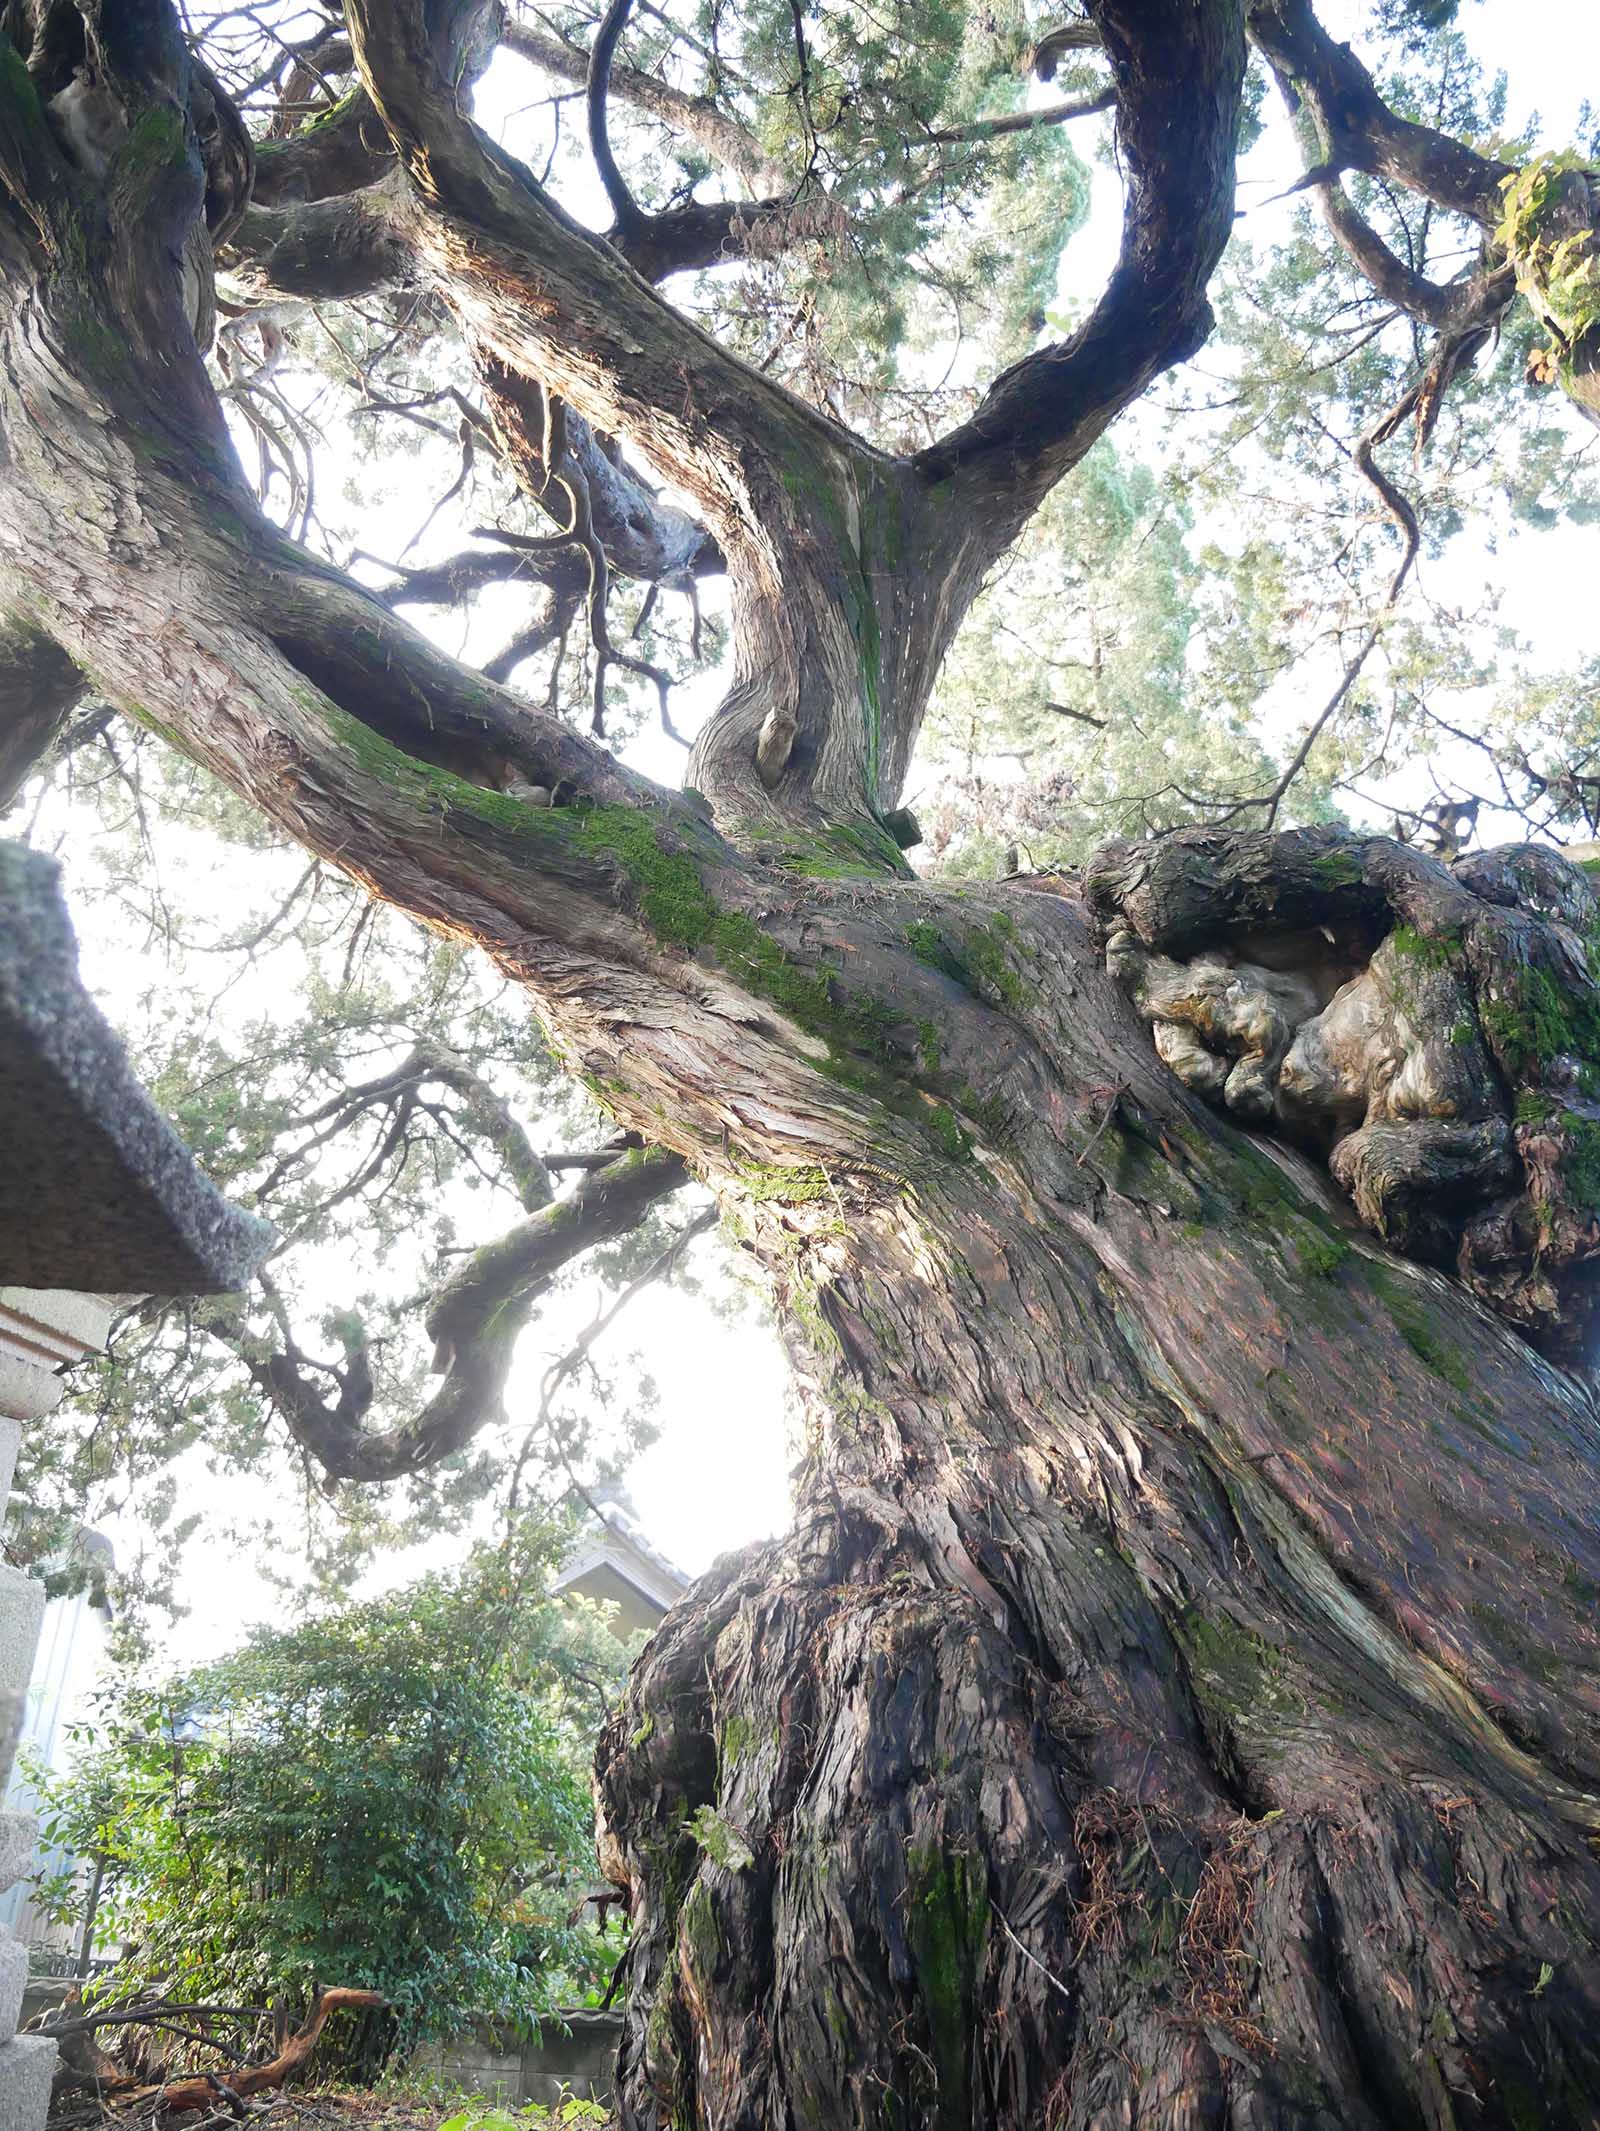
1177,1702
1150,1720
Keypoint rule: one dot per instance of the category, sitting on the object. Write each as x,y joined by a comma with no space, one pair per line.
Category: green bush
394,1795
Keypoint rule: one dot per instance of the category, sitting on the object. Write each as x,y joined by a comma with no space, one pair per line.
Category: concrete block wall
574,2055
39,1330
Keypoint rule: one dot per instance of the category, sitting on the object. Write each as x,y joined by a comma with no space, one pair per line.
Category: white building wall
65,1668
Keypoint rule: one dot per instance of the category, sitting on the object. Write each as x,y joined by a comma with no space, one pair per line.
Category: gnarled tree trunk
1176,1705
1176,1702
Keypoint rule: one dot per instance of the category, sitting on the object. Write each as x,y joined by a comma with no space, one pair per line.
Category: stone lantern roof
96,1189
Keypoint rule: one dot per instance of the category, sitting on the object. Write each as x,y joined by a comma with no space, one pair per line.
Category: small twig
1117,1094
1027,1952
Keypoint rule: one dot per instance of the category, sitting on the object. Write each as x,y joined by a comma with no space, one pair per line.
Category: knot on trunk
1431,1031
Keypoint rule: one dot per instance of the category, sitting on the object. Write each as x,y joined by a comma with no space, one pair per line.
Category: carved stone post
40,1329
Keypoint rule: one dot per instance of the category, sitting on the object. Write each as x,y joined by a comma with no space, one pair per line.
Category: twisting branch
335,155
642,536
187,2095
564,473
1441,306
1178,72
554,628
1356,128
1044,58
475,1321
458,577
428,1062
624,206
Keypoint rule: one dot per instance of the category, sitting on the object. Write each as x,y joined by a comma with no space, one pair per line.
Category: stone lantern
98,1198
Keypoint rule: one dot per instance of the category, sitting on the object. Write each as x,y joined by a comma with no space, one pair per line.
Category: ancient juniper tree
1177,1701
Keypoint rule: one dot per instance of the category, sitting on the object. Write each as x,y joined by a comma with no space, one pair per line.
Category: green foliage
1113,665
890,123
1561,271
529,2116
393,1795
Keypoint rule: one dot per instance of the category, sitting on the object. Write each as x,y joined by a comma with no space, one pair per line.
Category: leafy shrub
393,1795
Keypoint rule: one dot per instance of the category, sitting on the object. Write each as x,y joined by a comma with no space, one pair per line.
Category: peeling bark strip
1178,1703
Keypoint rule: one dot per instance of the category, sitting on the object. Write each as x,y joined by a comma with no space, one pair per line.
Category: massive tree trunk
1176,1705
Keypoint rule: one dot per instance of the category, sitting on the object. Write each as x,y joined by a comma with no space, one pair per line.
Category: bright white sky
717,1476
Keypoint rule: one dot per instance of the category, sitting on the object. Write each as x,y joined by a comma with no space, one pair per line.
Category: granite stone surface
13,1978
98,1190
19,1832
27,2065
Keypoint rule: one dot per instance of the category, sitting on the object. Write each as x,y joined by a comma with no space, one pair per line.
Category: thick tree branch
780,485
1552,210
189,2095
694,118
641,536
452,582
556,303
335,154
341,247
1044,58
475,1321
322,251
1178,69
1357,129
226,151
1439,305
704,233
